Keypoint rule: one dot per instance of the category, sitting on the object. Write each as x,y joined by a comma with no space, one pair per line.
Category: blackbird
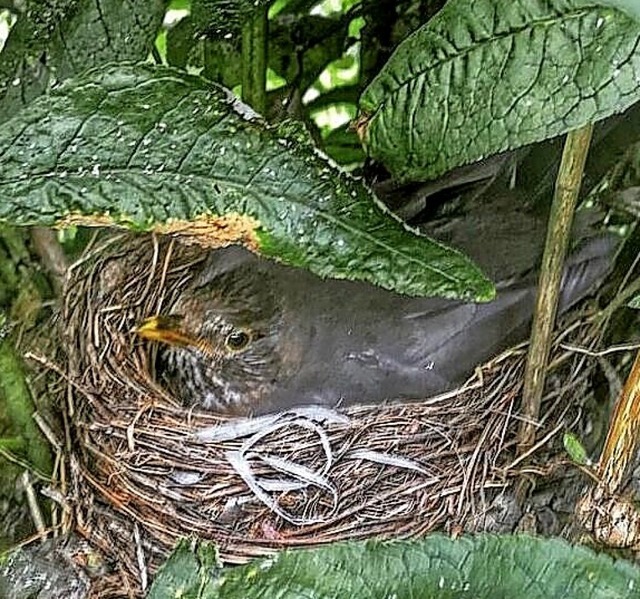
247,336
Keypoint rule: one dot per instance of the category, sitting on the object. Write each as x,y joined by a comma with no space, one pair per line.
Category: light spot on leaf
205,230
214,231
85,220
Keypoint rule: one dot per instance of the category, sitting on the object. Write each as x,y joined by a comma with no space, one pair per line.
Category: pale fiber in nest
146,471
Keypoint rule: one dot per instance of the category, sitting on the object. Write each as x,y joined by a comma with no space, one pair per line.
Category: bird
248,336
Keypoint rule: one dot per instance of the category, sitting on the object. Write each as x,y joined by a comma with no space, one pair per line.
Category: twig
604,352
14,459
34,508
560,219
623,295
47,431
534,448
142,566
51,254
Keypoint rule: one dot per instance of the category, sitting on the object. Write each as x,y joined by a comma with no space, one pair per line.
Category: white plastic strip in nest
241,465
301,477
387,459
243,427
302,423
302,473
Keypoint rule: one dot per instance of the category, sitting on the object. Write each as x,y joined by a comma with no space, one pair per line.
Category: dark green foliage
55,39
482,567
223,19
146,145
469,84
301,47
181,41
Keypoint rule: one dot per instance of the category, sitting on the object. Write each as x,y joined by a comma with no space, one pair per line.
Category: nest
146,471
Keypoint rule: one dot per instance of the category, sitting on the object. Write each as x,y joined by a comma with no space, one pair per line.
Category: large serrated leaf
55,40
471,83
481,567
154,148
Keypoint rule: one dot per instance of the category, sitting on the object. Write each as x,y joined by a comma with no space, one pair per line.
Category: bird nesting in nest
247,336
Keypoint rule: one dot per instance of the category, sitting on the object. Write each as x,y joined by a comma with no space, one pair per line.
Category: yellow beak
165,329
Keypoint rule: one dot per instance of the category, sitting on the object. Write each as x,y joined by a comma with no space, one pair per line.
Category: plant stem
254,60
565,197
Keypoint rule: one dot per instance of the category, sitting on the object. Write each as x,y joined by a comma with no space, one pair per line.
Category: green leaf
634,302
190,571
181,40
16,400
219,59
574,447
223,62
317,41
474,83
223,19
179,4
481,567
343,146
153,148
55,40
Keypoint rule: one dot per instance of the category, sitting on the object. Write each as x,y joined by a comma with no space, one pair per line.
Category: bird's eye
237,340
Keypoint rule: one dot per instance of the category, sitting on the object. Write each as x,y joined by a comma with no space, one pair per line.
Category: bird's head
218,343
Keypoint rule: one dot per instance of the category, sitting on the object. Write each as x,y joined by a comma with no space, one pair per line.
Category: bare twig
51,254
34,507
604,352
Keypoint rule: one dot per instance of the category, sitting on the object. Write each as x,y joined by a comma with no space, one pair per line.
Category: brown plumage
248,336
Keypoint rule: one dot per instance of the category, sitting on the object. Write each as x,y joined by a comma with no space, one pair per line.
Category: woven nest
147,471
